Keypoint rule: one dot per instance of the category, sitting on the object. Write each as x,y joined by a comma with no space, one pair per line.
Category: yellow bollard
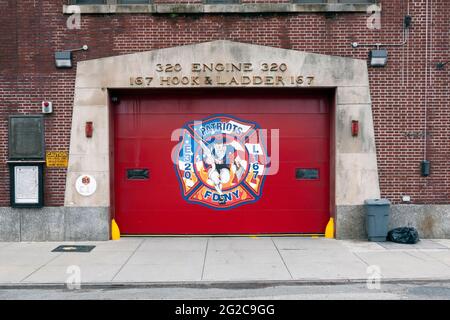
329,230
115,232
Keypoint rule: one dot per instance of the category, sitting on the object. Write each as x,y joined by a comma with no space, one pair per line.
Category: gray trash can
377,218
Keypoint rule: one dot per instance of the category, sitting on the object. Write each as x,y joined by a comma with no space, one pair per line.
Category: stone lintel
180,8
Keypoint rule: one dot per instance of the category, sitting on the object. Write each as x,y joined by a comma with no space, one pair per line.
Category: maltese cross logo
221,162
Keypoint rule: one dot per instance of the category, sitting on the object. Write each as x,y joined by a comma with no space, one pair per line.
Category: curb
258,284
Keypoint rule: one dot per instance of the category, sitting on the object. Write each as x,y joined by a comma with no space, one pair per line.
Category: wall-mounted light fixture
441,65
63,59
378,58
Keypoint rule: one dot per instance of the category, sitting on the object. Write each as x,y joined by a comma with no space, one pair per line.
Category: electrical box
425,168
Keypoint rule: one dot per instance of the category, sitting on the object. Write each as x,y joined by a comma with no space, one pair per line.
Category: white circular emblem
86,185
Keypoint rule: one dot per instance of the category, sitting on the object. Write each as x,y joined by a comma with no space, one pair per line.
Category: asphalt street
419,290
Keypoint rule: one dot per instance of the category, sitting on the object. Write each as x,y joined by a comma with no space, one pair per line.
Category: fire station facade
222,119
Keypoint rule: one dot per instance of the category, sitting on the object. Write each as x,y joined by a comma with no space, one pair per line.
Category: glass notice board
26,185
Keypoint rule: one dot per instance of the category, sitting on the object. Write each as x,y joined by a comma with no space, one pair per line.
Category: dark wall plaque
26,137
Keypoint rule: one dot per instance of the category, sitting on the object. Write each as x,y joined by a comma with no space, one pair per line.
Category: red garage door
217,176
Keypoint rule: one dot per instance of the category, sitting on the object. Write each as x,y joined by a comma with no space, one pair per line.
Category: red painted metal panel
143,125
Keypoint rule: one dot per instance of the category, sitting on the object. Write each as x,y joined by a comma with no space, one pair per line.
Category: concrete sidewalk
212,259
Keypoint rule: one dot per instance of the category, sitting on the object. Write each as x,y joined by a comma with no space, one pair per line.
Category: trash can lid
377,202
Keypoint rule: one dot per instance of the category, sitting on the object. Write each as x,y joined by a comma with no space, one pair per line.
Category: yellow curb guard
329,230
115,232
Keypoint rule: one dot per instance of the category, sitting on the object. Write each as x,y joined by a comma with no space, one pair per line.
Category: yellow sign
56,159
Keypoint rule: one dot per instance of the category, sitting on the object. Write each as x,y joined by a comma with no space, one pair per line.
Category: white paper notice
26,184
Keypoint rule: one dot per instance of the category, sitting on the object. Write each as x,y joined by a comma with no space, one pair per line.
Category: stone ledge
430,220
54,224
168,8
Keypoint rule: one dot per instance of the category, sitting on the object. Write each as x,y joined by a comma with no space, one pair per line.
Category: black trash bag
403,235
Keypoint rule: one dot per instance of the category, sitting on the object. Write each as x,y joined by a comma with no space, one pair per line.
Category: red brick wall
32,30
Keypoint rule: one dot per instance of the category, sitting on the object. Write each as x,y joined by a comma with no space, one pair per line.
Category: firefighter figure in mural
221,159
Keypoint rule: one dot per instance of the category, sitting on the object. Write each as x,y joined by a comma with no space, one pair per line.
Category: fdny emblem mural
221,162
